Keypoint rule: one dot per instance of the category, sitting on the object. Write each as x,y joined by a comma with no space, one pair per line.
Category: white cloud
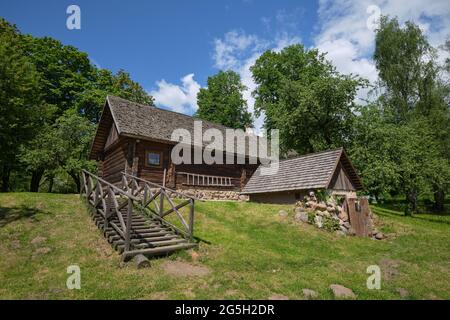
345,36
180,98
229,51
239,51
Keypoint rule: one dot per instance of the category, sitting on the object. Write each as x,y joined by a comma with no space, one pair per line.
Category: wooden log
141,261
128,227
157,251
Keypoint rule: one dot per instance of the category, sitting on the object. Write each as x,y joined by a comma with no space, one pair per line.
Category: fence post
89,188
161,201
97,193
129,221
108,208
83,188
191,219
145,194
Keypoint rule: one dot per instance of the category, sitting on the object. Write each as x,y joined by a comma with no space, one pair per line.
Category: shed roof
311,171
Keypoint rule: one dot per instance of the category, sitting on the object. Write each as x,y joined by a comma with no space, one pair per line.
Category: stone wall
214,194
329,215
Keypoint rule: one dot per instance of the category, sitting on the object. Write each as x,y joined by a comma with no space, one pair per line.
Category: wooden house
136,139
330,170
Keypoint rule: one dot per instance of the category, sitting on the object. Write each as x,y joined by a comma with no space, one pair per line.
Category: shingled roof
151,122
312,171
144,122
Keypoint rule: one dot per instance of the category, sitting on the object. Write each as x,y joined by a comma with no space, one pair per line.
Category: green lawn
251,252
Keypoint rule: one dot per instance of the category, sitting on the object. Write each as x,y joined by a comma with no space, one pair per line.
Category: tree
412,90
397,158
63,145
222,101
39,155
45,85
65,72
374,151
74,134
19,96
406,66
89,103
302,95
68,81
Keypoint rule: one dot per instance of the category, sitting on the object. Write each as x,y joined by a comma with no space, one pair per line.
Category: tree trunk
76,178
411,206
36,177
439,198
6,173
50,184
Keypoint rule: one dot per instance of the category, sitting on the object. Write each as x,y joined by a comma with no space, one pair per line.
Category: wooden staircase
149,233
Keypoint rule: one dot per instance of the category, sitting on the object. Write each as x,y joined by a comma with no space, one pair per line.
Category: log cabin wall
148,172
177,180
114,162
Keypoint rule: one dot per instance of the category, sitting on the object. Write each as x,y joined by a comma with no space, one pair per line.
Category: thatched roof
312,171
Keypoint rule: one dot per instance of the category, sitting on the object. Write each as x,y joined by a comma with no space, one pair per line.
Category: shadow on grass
429,217
11,214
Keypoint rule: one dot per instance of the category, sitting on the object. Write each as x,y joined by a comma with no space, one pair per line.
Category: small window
153,158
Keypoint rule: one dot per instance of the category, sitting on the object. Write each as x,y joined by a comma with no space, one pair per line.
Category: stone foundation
214,194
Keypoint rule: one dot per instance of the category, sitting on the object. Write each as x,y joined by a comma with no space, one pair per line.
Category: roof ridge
311,154
166,110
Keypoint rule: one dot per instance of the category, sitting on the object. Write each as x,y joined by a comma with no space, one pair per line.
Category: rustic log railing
108,200
194,179
151,199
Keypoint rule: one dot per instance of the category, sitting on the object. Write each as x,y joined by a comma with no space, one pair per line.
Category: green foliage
394,158
330,224
19,96
374,151
222,101
401,141
64,145
64,71
90,102
69,79
311,217
321,195
406,66
51,95
303,96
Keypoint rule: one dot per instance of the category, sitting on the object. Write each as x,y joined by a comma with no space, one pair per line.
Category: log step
153,244
158,251
149,236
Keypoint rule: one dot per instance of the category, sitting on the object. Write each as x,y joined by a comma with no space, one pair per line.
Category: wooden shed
329,170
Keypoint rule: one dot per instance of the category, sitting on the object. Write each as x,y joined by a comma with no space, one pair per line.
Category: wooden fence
110,201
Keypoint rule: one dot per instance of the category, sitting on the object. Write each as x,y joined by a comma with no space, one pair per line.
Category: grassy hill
250,253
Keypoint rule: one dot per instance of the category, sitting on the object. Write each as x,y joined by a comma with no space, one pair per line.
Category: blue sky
171,47
155,40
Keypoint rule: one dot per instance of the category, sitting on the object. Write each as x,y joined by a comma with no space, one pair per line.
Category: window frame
147,164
